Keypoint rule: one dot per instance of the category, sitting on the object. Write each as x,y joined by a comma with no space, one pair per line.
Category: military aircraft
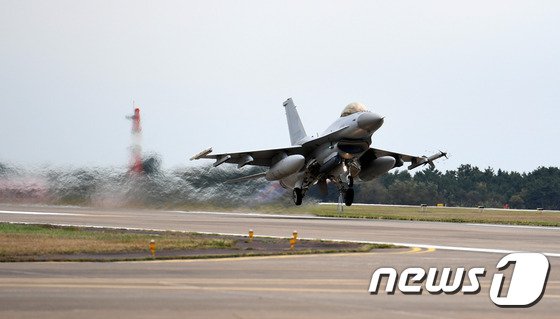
341,154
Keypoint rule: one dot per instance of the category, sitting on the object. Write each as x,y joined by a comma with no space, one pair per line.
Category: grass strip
442,214
29,240
24,242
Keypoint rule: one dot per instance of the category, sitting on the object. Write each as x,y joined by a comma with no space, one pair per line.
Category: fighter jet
341,155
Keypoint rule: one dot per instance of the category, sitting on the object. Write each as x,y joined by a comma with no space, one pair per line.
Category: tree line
466,186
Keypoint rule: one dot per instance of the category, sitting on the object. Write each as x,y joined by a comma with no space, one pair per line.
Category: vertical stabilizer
297,132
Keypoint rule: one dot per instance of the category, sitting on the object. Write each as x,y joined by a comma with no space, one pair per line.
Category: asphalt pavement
325,286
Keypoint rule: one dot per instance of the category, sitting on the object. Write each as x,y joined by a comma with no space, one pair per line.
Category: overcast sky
479,79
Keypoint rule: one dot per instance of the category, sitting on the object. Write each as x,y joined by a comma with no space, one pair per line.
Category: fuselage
353,136
349,137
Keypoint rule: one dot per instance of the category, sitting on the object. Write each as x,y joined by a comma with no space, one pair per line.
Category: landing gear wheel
297,196
349,197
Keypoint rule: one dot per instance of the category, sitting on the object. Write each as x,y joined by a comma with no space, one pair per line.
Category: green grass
23,242
33,240
432,213
442,214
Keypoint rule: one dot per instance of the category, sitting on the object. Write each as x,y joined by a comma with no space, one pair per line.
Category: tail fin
297,132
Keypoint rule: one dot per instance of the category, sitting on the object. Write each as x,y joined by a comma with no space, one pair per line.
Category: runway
325,286
455,236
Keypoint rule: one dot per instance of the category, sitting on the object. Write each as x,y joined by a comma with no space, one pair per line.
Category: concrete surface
323,286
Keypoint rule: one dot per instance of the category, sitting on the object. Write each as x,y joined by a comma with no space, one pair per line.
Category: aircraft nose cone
370,122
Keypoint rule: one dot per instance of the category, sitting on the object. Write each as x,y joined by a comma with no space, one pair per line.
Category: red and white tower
136,148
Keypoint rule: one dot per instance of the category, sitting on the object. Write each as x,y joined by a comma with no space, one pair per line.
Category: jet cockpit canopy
352,108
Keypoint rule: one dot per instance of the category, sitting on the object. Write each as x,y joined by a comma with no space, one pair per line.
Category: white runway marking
358,219
515,226
37,213
257,215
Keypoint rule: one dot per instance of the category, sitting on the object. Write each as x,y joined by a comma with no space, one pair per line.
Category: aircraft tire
349,197
297,196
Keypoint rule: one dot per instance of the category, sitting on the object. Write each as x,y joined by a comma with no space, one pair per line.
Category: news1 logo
526,285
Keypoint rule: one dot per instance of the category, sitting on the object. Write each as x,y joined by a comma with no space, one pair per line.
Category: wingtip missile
428,160
201,154
434,157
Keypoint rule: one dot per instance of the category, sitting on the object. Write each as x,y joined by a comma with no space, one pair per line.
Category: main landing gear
349,193
297,196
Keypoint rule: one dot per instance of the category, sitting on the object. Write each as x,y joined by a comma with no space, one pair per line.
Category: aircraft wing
414,161
264,157
258,158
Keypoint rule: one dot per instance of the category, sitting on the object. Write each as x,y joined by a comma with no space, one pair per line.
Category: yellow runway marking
291,285
218,288
209,284
429,250
411,251
417,250
180,281
159,286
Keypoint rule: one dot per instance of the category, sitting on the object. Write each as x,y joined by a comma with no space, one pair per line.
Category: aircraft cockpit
353,108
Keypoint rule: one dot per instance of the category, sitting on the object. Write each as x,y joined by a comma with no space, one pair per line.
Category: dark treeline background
467,186
202,185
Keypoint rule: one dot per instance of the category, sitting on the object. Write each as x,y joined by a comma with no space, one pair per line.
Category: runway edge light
153,247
